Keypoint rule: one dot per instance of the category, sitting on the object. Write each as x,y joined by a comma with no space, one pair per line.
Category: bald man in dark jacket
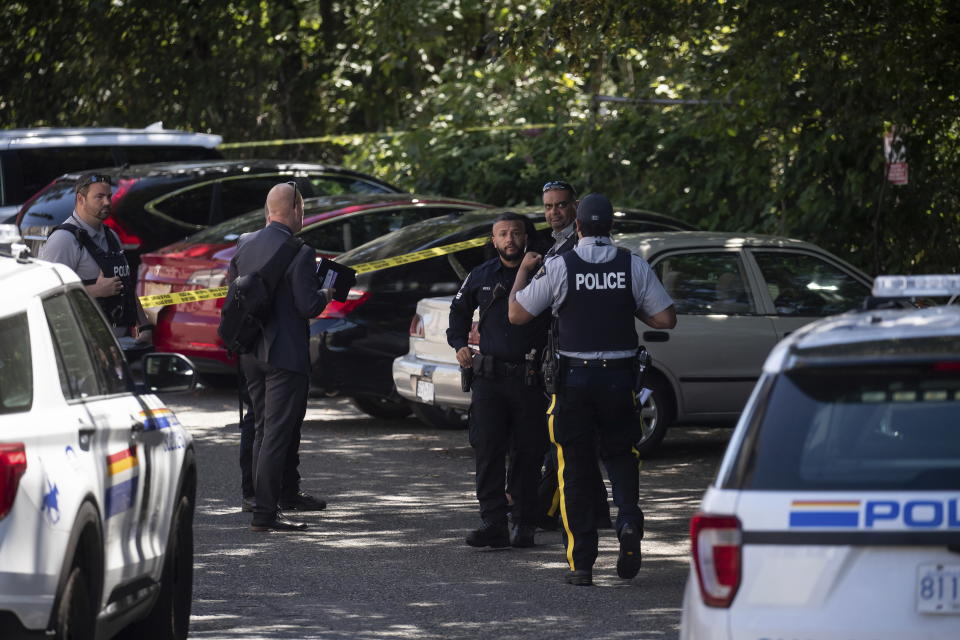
278,369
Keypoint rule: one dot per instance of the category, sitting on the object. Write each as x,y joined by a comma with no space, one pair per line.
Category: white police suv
836,510
97,477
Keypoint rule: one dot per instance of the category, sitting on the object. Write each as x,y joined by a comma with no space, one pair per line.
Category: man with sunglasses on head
277,369
85,244
560,211
508,407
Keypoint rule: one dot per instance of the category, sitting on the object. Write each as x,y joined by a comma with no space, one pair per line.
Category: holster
466,378
640,367
550,365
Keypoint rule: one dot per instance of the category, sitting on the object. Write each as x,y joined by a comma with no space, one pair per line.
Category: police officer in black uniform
86,245
595,291
507,414
560,211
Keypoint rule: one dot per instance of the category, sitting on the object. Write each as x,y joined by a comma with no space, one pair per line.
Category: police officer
85,244
560,210
595,290
508,408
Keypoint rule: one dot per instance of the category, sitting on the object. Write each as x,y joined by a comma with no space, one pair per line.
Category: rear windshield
876,427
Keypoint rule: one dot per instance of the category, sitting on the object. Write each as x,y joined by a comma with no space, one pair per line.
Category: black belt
490,367
613,363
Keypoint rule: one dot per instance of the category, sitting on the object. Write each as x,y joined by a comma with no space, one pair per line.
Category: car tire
655,415
439,418
76,617
169,619
381,407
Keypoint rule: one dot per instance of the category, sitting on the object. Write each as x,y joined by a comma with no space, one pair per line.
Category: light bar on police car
912,286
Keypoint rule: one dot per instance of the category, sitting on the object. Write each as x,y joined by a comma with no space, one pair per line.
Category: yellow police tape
198,295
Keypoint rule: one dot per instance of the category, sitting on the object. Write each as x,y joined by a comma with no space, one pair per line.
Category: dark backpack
249,301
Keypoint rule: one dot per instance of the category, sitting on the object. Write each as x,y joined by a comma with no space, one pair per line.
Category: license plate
425,390
938,588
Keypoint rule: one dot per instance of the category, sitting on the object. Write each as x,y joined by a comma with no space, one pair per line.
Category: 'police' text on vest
610,280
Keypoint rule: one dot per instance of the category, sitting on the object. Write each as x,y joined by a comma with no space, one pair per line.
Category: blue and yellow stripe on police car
561,465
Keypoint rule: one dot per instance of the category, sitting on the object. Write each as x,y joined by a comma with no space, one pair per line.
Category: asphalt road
387,557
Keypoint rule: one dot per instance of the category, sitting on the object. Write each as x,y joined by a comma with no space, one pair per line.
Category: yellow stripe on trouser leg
560,485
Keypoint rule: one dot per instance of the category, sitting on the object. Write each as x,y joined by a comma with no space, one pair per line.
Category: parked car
735,296
31,158
331,225
836,510
97,476
353,346
157,204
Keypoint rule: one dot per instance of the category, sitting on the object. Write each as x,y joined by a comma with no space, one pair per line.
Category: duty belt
490,367
600,363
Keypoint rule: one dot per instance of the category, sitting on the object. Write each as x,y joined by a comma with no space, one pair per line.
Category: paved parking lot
387,558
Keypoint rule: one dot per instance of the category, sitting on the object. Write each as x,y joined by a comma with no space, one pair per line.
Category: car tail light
335,309
716,542
208,278
416,326
13,463
128,239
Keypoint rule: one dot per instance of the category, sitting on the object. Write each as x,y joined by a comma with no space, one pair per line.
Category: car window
189,209
240,196
427,278
643,226
336,186
107,357
327,236
41,166
78,377
870,427
16,364
151,154
703,283
805,285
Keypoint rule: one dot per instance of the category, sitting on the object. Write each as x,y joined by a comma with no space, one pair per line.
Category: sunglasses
87,180
559,184
296,190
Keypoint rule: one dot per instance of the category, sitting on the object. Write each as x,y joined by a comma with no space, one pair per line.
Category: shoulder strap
83,238
277,265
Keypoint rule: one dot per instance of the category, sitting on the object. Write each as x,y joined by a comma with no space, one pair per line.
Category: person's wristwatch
144,327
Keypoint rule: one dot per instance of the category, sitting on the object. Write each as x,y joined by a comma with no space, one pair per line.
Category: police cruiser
836,510
97,476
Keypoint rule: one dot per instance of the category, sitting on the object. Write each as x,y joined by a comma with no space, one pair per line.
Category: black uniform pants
279,400
507,416
548,491
594,406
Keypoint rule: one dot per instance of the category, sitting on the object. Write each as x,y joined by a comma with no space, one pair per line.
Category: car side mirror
168,373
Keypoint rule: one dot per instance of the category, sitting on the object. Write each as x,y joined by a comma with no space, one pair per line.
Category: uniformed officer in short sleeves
595,291
508,408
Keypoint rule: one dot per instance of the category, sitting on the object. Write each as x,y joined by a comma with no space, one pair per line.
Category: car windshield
867,427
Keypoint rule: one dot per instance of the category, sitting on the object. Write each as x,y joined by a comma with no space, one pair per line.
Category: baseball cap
595,208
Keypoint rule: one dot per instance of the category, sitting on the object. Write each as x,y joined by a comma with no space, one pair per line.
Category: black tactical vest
121,309
597,313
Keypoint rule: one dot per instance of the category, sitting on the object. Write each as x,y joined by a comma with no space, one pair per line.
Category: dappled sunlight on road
386,559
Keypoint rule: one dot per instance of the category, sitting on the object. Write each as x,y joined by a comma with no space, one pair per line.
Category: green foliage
791,100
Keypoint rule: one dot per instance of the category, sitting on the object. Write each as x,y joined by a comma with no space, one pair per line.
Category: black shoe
246,504
490,535
522,535
280,523
628,563
301,501
580,578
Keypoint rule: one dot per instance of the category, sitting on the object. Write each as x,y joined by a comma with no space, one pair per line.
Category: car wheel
438,417
656,415
76,618
380,407
170,617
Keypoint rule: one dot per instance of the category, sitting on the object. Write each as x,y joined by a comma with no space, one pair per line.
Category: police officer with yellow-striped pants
595,290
